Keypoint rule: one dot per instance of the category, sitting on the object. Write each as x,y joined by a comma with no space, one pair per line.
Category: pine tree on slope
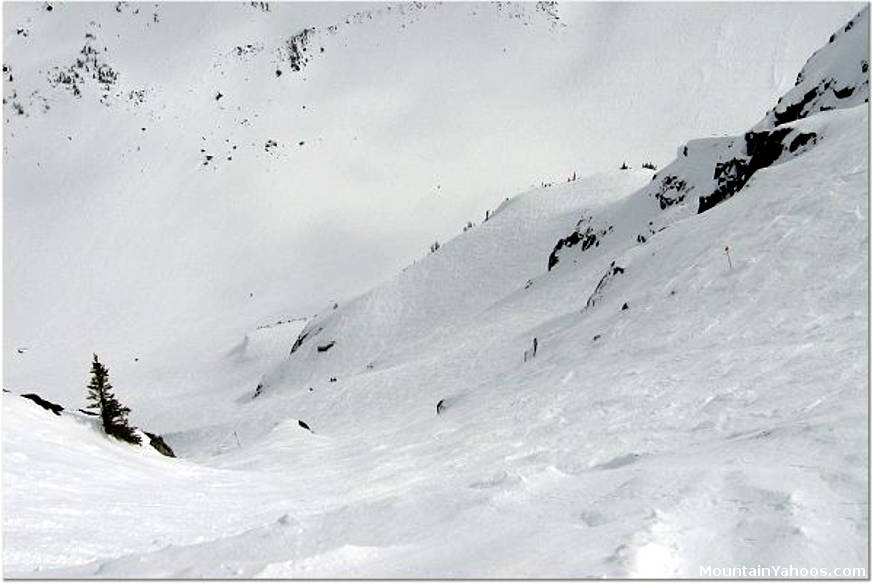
112,413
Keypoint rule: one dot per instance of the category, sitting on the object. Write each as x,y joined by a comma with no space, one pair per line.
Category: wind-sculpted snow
426,303
697,398
692,417
692,355
712,423
224,177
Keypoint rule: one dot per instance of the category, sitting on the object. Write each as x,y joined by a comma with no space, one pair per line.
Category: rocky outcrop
834,77
763,149
305,333
159,444
47,405
672,190
586,236
802,140
605,280
712,170
155,440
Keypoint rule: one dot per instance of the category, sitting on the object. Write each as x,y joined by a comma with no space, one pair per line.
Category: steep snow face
448,290
710,171
698,397
835,77
705,173
719,420
176,175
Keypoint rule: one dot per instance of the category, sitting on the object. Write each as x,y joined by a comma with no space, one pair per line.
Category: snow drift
681,411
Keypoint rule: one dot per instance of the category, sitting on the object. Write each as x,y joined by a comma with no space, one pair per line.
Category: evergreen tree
112,413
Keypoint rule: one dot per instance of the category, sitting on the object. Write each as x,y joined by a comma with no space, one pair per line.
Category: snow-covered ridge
87,71
835,77
697,397
425,304
214,160
91,419
709,171
449,287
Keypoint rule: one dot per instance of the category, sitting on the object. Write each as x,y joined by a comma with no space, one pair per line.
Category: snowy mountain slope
450,288
138,502
201,397
835,77
704,427
201,405
111,111
426,302
840,151
719,420
709,171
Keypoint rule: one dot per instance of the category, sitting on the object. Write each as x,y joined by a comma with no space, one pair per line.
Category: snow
56,462
721,420
836,76
482,102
